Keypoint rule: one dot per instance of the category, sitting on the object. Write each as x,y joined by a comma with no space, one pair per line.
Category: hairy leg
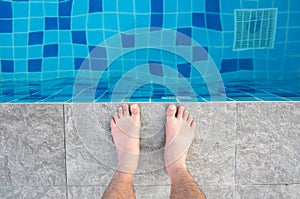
125,129
180,132
121,186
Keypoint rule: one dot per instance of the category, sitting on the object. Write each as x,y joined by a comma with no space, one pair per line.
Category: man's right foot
180,131
125,130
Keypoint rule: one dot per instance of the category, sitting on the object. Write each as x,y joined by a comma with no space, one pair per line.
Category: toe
185,115
193,124
120,112
180,112
135,112
125,109
190,119
116,116
171,111
112,123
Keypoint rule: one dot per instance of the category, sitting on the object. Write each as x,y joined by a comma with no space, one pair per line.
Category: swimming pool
149,51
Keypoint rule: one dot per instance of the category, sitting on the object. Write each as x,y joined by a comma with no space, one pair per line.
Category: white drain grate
254,28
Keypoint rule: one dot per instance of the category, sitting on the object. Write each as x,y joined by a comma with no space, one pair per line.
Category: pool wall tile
55,32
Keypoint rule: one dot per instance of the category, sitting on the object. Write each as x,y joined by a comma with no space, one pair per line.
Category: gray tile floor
241,150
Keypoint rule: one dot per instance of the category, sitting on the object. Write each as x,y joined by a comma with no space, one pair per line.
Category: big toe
135,113
171,111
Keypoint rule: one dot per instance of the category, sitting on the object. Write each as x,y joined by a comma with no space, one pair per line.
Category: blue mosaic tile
66,64
51,23
294,34
20,52
156,20
36,38
65,50
65,37
20,39
6,40
7,66
142,6
35,51
49,40
65,8
293,5
111,22
77,63
98,52
184,20
199,20
36,10
184,6
212,6
6,9
229,65
126,22
20,10
98,64
6,53
246,64
200,53
51,50
34,65
64,23
184,70
213,21
79,37
127,41
20,25
184,39
157,6
21,67
36,24
95,6
6,25
51,9
156,68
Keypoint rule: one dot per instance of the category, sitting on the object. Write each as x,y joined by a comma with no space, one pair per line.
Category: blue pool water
149,50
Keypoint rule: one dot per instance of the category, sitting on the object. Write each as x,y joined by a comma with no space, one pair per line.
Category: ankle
174,169
124,176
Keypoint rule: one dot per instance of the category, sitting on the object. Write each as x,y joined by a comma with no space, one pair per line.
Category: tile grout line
235,148
66,171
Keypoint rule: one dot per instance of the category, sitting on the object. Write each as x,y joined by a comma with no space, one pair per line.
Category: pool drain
254,28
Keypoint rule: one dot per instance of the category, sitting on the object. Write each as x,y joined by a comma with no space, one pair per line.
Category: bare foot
125,130
180,132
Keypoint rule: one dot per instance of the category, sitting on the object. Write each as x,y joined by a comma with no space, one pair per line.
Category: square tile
268,191
141,192
91,156
268,140
32,145
33,192
83,167
211,158
212,192
87,192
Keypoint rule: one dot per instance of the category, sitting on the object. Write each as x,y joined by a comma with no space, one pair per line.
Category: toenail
173,108
134,106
